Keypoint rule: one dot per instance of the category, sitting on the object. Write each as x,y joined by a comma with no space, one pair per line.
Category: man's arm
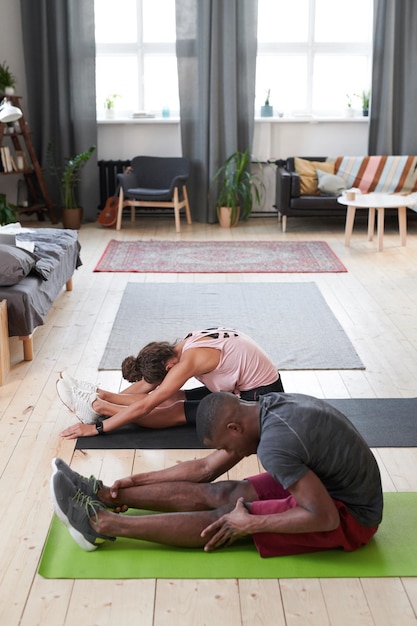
202,470
316,512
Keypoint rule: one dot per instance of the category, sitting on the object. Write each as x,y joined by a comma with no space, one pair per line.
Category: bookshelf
18,156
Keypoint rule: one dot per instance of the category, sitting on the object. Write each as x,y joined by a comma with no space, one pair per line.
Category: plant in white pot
237,188
68,177
110,105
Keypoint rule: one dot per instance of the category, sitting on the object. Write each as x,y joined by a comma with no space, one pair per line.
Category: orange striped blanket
386,174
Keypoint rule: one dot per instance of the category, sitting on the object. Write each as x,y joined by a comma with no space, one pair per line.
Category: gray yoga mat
291,321
383,423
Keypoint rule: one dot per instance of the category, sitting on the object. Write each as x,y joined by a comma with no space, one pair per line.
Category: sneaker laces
96,483
86,502
91,508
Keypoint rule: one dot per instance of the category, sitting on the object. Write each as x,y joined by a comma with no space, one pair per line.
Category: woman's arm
192,363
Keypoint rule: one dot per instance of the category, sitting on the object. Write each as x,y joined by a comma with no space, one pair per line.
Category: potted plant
8,213
68,177
237,187
365,97
349,109
7,80
267,110
109,104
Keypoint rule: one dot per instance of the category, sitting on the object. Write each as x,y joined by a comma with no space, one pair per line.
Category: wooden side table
376,202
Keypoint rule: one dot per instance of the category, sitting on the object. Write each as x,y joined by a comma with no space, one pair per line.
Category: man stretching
322,489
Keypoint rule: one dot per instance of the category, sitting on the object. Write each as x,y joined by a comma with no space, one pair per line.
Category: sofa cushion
15,264
330,184
307,170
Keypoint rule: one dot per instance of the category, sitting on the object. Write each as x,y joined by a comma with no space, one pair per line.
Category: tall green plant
68,176
237,186
7,79
8,213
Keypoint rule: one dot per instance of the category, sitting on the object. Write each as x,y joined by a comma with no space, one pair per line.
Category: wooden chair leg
187,205
177,211
120,210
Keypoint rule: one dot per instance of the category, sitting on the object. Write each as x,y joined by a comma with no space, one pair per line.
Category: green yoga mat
392,552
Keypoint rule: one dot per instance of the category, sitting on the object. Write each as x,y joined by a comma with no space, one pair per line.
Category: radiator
108,171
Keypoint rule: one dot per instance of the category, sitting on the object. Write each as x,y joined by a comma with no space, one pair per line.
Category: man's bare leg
175,529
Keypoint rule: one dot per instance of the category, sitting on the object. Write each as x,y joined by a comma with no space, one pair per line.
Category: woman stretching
221,359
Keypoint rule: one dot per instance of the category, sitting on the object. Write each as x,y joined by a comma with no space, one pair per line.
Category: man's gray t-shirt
301,433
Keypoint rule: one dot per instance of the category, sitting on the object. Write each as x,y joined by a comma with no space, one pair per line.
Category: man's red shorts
273,498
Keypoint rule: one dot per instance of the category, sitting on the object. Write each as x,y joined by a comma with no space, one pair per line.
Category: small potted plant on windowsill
237,188
267,110
110,104
349,109
7,80
68,176
365,97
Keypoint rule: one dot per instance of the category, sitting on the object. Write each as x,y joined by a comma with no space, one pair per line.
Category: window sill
140,120
311,119
263,120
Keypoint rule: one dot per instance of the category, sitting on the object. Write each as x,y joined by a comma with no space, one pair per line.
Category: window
312,55
135,55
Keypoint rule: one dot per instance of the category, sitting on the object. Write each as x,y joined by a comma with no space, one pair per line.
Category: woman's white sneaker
79,401
76,382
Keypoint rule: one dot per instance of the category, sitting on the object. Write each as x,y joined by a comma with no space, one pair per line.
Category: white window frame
308,49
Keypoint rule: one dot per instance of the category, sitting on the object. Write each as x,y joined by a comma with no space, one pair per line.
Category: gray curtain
393,122
59,52
216,55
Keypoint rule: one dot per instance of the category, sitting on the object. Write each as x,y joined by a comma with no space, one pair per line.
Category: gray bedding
29,302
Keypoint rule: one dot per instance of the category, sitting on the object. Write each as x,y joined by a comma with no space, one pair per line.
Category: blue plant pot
267,110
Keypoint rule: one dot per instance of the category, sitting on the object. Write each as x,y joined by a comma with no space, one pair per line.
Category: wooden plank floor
376,302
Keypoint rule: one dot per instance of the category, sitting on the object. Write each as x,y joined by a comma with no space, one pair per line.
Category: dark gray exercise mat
383,422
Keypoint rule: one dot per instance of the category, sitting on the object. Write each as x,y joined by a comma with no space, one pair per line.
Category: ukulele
108,216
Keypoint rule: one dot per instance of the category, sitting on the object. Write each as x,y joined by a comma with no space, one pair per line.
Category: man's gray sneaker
75,509
89,486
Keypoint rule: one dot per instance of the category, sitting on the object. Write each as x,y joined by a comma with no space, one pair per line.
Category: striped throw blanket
384,174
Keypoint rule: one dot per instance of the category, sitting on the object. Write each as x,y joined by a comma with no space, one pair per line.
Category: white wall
272,139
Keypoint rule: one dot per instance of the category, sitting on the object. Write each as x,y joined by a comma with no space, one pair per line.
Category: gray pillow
330,184
15,264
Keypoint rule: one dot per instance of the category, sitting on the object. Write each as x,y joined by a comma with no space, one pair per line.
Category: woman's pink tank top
243,364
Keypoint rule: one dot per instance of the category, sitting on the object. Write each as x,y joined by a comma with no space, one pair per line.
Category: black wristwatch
99,428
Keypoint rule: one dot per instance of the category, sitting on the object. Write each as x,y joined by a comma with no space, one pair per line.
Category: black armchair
290,202
155,182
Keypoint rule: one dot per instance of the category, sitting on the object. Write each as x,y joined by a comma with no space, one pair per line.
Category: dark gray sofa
289,202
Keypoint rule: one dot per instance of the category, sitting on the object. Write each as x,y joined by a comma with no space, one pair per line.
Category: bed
30,281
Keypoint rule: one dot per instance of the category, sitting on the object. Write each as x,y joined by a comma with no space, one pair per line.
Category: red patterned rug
212,257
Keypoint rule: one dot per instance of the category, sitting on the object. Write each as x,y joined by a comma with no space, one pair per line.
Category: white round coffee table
376,202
